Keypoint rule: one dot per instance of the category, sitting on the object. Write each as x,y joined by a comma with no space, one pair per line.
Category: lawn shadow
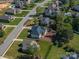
4,21
24,57
47,53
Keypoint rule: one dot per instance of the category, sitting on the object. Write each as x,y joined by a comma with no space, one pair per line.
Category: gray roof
6,17
71,56
45,20
75,8
19,4
13,10
37,30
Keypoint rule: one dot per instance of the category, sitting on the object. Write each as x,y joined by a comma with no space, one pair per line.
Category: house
2,26
45,21
19,4
26,2
13,11
71,56
75,8
37,32
64,1
7,17
51,10
29,43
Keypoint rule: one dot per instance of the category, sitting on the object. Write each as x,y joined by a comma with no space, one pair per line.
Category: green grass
75,42
53,53
40,10
56,53
12,53
29,7
22,14
48,51
15,22
23,34
7,32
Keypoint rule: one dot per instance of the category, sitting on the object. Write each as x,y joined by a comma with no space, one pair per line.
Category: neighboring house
64,1
19,4
71,56
37,32
7,17
75,8
26,2
29,43
51,10
45,21
2,26
13,11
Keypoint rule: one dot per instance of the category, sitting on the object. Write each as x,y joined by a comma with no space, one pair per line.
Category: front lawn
7,32
29,7
31,22
23,34
40,10
13,52
15,22
22,14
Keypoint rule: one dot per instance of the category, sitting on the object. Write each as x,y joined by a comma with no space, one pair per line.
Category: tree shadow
4,21
47,53
24,57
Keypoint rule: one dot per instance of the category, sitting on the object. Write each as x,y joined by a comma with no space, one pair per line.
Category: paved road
12,36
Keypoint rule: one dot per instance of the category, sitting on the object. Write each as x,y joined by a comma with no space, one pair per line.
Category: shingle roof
5,17
45,20
37,30
75,8
71,56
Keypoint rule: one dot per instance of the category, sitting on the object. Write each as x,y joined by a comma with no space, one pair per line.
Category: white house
27,43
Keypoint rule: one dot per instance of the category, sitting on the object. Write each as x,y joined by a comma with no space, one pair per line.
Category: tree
75,24
64,30
36,20
71,3
1,33
33,50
